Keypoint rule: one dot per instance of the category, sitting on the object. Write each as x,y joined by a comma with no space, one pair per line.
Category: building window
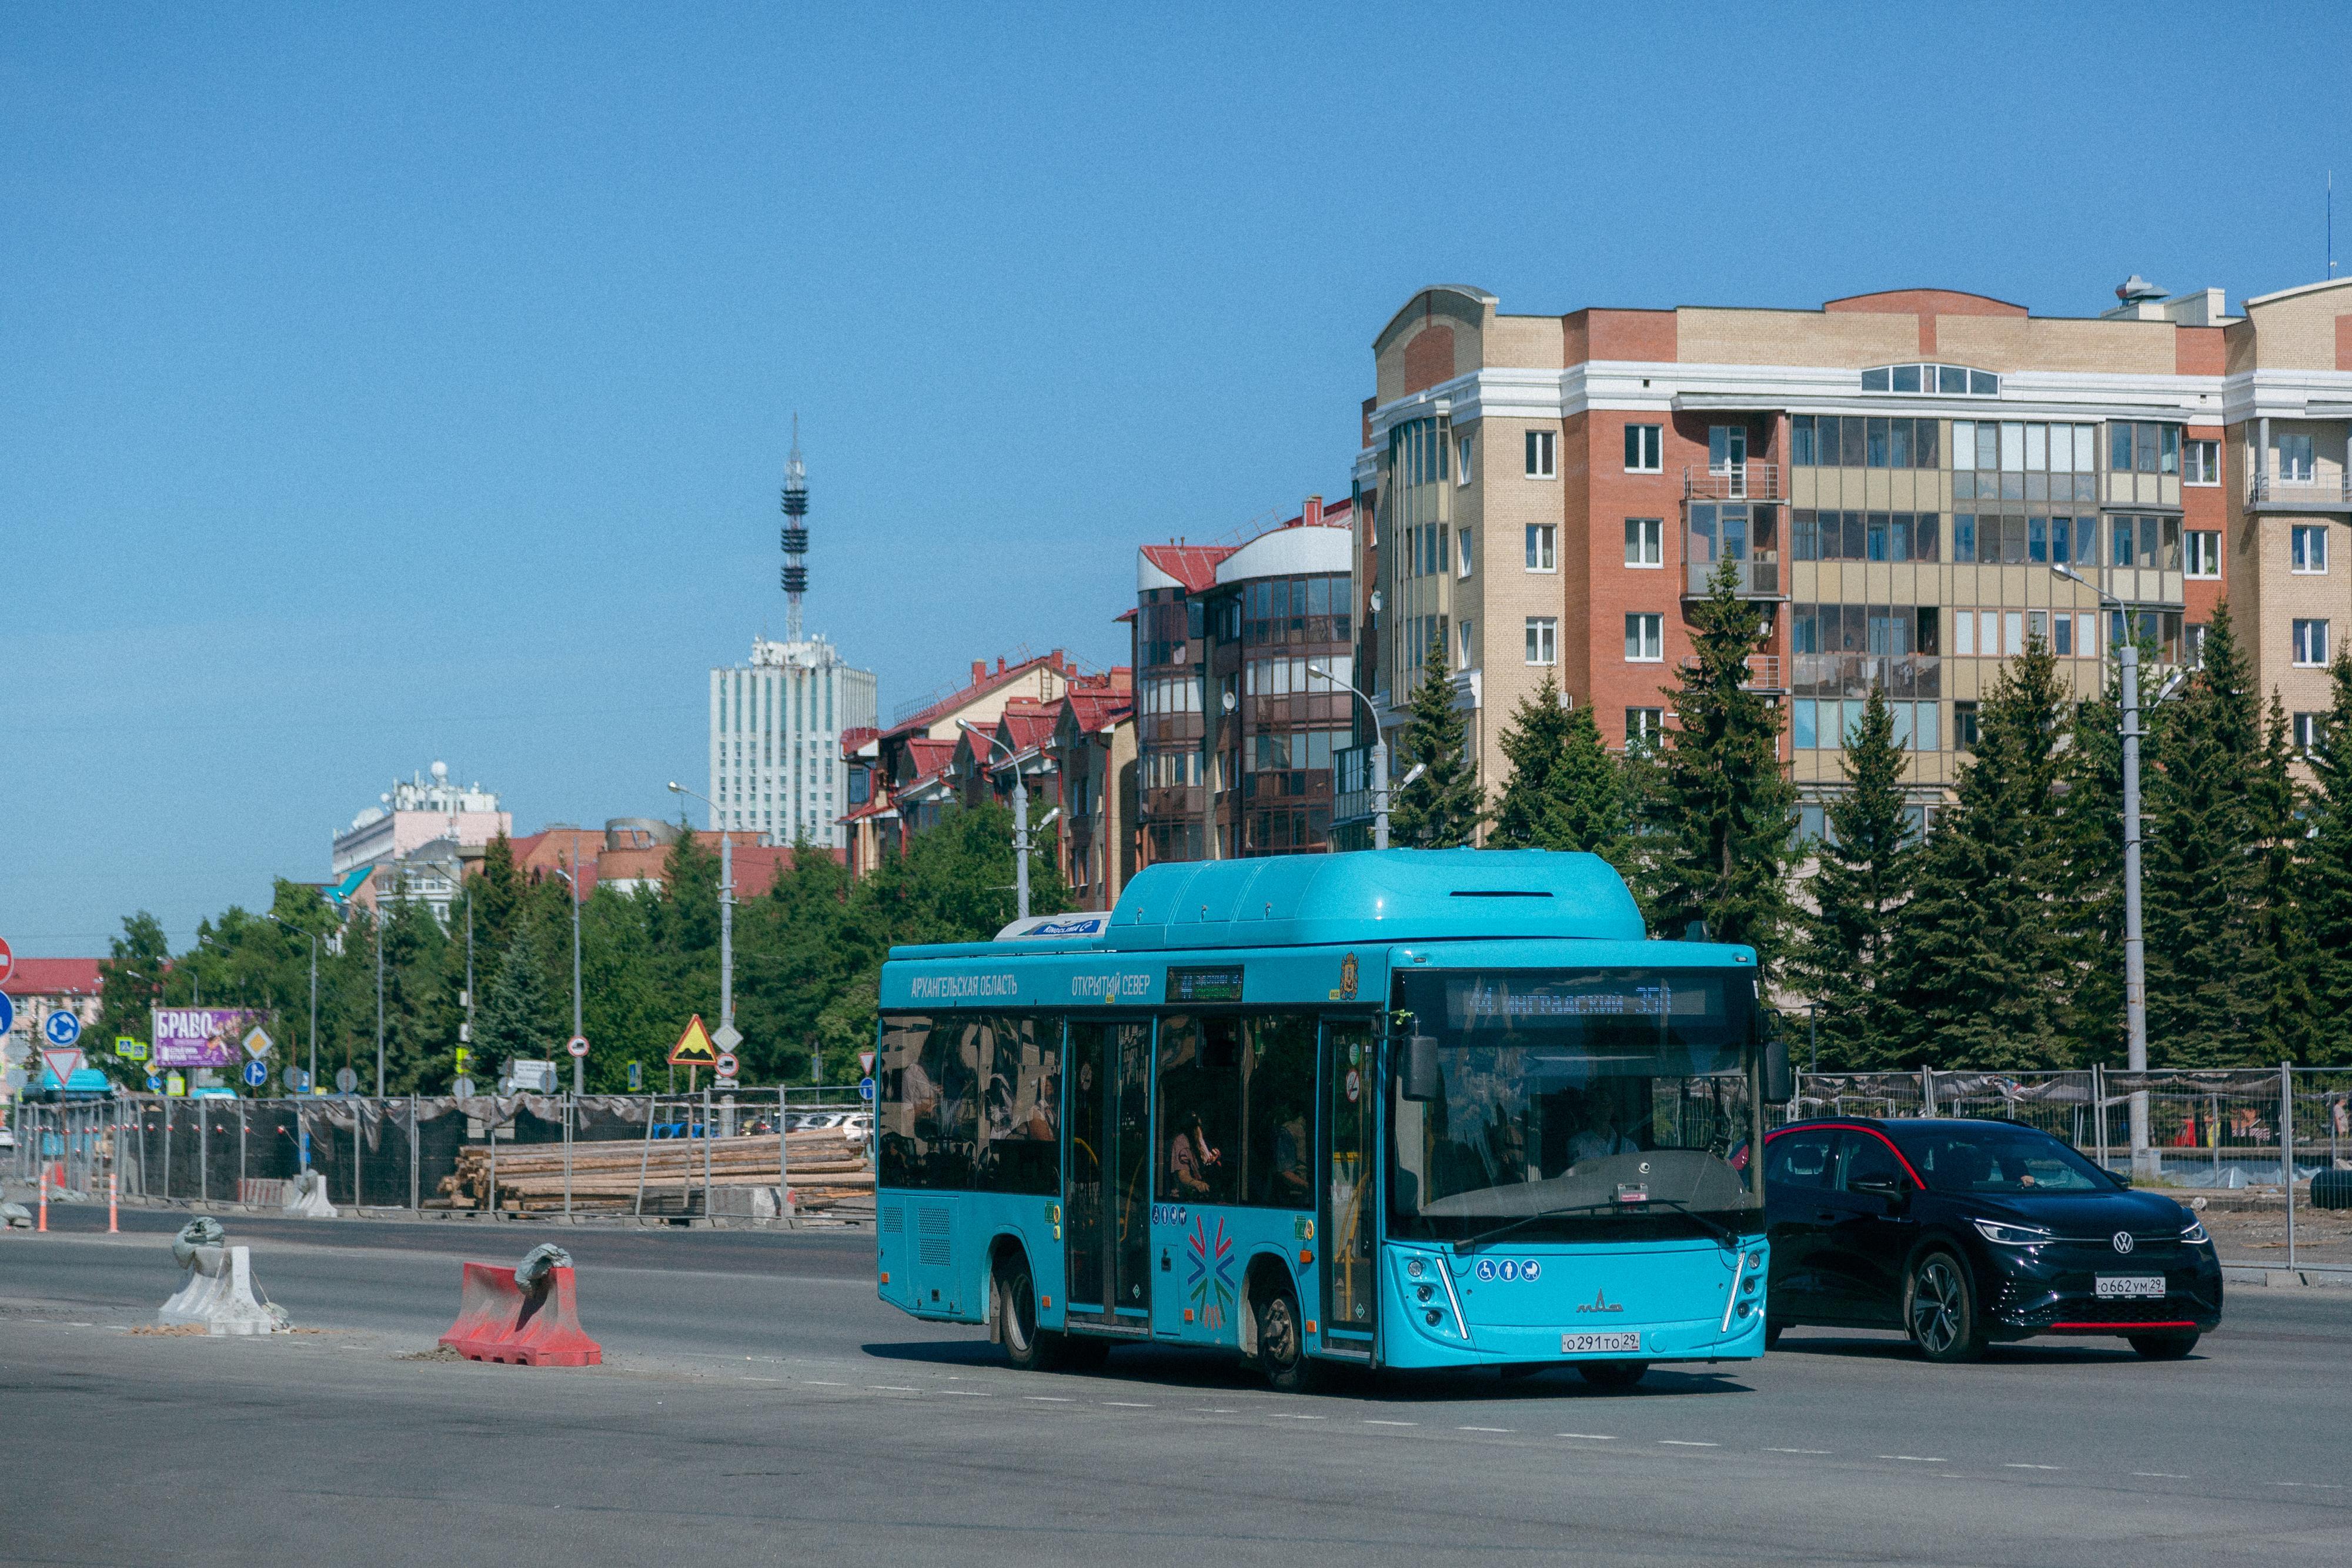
1645,449
2295,458
2205,553
2311,643
2203,463
1932,381
2310,729
1543,640
1462,449
2142,447
1646,542
1462,661
1542,457
1645,638
1643,726
2194,648
1462,553
1964,727
1542,540
2306,548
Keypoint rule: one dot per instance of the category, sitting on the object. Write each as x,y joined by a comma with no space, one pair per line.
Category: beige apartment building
1893,477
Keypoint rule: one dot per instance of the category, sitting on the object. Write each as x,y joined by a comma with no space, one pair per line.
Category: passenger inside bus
1601,1136
1191,1158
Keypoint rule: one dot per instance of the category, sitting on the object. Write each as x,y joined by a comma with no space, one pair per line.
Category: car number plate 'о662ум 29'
1596,1343
2129,1287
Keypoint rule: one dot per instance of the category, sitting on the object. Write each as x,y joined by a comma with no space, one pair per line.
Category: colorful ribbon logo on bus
1209,1273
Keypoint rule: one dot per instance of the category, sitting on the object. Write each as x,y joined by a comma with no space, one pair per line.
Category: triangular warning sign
694,1048
64,1064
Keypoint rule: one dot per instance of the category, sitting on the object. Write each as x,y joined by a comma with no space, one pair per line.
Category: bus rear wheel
1613,1375
1026,1346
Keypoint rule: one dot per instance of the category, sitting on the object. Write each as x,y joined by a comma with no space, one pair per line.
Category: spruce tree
2280,837
2208,969
1720,812
2090,889
131,983
1442,809
1860,885
517,1021
2324,876
1976,978
1566,792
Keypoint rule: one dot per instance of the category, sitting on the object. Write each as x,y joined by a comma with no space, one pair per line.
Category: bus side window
1278,1110
907,1102
1199,1158
1019,1148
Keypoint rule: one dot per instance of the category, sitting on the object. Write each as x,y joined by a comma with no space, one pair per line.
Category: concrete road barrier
218,1295
306,1195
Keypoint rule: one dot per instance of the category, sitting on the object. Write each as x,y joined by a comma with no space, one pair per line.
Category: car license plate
1596,1343
2129,1287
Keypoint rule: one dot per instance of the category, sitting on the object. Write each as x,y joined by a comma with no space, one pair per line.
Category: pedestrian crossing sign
694,1048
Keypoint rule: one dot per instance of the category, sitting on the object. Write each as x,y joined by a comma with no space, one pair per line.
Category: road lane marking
1687,1443
1048,1399
1588,1437
891,1388
1814,1451
2159,1476
1915,1458
821,1383
2032,1467
1483,1428
1292,1415
1370,1423
2314,1486
967,1394
1125,1404
1212,1410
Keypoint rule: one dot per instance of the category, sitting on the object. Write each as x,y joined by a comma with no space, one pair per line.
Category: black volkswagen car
1966,1233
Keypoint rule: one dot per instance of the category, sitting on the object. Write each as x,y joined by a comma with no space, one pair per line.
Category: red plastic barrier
498,1321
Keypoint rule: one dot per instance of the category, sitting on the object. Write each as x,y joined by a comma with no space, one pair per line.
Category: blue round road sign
256,1074
866,1089
61,1028
154,1084
7,1014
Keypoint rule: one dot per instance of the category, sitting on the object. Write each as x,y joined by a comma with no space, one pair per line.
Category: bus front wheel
1282,1343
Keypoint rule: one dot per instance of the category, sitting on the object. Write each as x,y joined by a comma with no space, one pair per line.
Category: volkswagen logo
2122,1240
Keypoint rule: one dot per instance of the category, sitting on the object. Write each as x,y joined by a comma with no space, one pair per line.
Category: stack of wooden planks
826,1171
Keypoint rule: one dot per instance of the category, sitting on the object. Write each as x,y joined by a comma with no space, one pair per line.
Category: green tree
1861,882
2090,913
1721,811
2323,875
1442,809
2208,966
1566,792
131,984
518,1019
1976,977
2281,836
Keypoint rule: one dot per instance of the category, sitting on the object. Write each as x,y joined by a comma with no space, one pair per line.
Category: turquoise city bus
1402,1108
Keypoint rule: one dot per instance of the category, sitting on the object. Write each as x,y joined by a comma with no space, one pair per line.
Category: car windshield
1582,1104
1997,1159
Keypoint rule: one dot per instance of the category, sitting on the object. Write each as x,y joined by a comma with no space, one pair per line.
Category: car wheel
1613,1375
1282,1344
2163,1346
1940,1310
1026,1346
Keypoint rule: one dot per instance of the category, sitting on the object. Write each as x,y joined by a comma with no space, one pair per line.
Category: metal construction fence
426,1152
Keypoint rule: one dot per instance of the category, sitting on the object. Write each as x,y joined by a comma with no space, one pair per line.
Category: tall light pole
726,910
579,1064
2143,1157
1379,758
1020,813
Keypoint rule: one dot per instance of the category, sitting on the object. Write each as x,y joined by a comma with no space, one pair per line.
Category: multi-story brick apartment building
1894,476
1243,655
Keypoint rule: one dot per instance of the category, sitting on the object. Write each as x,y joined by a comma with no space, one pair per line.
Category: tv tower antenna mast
795,536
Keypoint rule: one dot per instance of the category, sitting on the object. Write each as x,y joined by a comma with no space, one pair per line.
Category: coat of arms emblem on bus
1348,978
1209,1278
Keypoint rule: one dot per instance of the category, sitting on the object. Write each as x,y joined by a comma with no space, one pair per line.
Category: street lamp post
2142,1157
725,909
579,1064
1020,817
1380,757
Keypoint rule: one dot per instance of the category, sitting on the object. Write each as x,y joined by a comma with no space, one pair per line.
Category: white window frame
1463,553
2307,631
1543,640
1651,725
2201,553
1463,449
1656,449
2203,447
1543,454
1544,536
1650,540
1646,637
2309,727
1464,640
2304,535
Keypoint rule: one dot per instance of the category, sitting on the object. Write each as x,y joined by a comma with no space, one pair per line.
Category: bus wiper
1720,1232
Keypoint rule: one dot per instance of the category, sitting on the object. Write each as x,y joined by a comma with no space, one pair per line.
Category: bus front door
1349,1163
1107,1218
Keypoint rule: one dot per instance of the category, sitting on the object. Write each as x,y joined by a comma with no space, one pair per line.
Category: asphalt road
758,1405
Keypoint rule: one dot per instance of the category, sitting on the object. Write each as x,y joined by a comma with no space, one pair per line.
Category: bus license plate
2130,1287
1598,1343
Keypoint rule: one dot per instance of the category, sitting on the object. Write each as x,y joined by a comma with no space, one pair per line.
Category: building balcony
1899,676
1755,577
1735,482
1763,673
2300,492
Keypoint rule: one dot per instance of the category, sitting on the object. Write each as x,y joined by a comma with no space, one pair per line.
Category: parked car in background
1965,1233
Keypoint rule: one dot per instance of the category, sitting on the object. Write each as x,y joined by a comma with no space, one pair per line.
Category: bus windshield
1573,1105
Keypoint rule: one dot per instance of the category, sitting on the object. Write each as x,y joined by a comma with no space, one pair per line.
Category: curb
2285,1278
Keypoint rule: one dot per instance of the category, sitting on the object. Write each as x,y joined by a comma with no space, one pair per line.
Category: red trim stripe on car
2128,1328
1850,1127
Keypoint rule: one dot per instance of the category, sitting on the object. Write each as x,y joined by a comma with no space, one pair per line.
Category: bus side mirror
1779,1081
1421,1081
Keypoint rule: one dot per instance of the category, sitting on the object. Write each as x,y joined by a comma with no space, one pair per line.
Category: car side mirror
1421,1081
1887,1187
1780,1080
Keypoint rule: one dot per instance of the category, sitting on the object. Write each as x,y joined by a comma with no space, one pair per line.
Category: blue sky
389,384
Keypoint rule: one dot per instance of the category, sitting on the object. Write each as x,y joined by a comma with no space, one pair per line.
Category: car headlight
2195,1234
2011,1235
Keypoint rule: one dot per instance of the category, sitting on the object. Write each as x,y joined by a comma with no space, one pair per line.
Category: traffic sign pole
113,1197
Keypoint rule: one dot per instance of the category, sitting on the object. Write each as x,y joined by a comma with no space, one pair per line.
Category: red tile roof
54,978
988,681
1194,566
